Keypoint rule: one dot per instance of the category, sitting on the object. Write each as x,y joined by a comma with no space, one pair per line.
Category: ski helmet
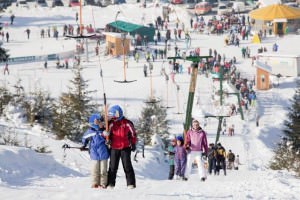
115,112
92,121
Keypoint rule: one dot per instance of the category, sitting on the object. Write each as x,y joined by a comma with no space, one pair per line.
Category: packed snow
59,174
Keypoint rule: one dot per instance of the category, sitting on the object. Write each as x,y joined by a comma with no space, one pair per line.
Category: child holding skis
95,137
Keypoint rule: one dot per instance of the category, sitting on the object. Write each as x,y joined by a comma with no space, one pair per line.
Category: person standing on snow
6,69
171,153
196,144
28,33
180,158
95,137
123,140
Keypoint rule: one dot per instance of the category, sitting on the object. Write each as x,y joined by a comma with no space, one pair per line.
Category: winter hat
180,138
92,120
115,112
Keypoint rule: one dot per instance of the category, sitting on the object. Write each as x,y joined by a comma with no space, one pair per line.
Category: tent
275,11
256,39
132,29
278,14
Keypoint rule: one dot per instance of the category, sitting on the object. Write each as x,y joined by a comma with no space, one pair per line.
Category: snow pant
221,164
230,165
171,172
99,172
195,155
125,156
211,165
180,165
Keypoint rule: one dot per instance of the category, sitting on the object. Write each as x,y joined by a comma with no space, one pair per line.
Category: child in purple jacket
180,158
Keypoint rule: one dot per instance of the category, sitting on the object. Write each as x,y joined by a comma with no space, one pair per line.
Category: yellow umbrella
275,11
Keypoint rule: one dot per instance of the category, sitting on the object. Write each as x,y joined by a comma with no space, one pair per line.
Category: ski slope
27,175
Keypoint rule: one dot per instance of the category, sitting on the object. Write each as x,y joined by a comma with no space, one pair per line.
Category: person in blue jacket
95,138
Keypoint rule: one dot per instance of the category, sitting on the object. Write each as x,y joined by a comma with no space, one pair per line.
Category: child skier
95,137
180,158
171,153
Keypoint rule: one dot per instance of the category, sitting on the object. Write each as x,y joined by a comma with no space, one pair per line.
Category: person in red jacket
122,142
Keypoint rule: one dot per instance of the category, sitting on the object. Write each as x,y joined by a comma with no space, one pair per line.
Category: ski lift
152,99
167,81
177,99
123,37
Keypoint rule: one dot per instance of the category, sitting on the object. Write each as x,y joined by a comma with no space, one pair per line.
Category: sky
27,175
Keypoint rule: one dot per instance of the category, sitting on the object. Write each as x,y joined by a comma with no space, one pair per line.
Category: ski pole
66,146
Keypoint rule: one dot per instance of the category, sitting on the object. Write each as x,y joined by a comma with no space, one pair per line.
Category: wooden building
262,76
117,44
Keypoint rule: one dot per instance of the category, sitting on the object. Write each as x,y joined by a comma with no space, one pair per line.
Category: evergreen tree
153,121
5,98
73,109
40,108
3,52
287,153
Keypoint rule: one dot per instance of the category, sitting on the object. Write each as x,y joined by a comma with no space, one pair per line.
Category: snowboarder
196,144
95,137
123,140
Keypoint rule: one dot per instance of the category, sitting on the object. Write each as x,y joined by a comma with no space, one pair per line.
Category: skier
171,153
180,158
196,144
123,140
95,137
45,64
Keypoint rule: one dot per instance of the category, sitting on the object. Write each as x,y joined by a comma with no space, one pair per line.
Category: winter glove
187,147
133,147
105,133
108,143
83,148
204,156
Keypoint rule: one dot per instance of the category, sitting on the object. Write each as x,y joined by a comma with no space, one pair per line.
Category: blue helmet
92,120
115,112
180,138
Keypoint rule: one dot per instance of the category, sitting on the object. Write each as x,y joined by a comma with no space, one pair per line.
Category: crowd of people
195,151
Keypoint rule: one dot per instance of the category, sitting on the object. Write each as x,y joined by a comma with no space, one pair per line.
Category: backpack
231,157
220,153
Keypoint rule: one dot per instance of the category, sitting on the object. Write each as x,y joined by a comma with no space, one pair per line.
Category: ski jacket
196,140
122,134
97,147
180,153
171,153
